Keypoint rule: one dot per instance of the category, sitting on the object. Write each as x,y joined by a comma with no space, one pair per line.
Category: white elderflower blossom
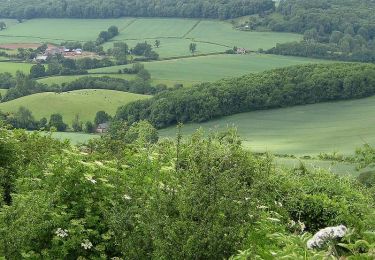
127,197
61,232
86,244
90,179
326,234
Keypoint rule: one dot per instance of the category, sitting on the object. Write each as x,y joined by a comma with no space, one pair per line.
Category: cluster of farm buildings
51,51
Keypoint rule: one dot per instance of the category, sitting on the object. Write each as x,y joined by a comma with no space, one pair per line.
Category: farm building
102,128
53,51
242,51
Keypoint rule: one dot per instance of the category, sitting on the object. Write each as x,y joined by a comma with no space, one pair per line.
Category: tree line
290,86
224,9
23,118
332,29
22,85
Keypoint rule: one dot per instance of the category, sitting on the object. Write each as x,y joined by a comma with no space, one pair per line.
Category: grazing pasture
193,70
13,67
58,30
85,103
302,130
220,32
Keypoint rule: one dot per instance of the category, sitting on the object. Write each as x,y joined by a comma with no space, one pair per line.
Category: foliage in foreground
129,196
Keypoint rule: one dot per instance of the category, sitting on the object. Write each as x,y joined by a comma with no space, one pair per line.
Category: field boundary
191,29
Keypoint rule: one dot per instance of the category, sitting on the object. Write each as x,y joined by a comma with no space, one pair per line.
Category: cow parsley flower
326,234
86,244
127,197
61,232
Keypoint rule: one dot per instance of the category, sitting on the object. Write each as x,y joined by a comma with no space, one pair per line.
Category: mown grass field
74,138
302,130
210,68
58,30
220,32
13,67
85,103
67,79
175,34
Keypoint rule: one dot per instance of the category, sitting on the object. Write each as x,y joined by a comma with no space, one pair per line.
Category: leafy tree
2,25
157,43
37,71
101,117
89,127
76,124
192,47
144,75
113,31
56,121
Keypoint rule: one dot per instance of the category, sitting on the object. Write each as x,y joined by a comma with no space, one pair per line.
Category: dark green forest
333,29
223,9
290,86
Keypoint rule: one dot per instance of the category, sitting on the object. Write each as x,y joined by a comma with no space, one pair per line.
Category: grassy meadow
193,70
13,67
85,103
58,30
302,130
3,91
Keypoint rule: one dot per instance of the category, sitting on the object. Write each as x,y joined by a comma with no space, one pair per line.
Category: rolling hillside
311,129
85,103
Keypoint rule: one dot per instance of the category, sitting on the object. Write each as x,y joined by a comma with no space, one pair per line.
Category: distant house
41,58
53,51
102,128
242,51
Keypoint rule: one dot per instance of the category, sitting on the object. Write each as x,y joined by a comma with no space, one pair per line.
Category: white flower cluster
61,232
326,234
86,244
127,197
91,179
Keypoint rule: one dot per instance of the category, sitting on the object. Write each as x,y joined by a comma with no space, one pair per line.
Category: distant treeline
297,85
332,28
223,9
22,85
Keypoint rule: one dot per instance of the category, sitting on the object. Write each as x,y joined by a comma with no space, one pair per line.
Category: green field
85,103
74,138
13,67
67,79
210,68
311,129
58,30
223,33
3,91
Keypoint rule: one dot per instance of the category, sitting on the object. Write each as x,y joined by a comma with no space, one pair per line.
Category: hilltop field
84,103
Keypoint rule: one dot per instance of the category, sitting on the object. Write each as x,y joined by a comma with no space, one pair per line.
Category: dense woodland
296,85
127,196
332,29
223,9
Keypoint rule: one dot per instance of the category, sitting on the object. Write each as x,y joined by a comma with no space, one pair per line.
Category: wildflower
86,244
326,234
301,225
262,207
274,219
98,163
127,197
90,179
61,232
